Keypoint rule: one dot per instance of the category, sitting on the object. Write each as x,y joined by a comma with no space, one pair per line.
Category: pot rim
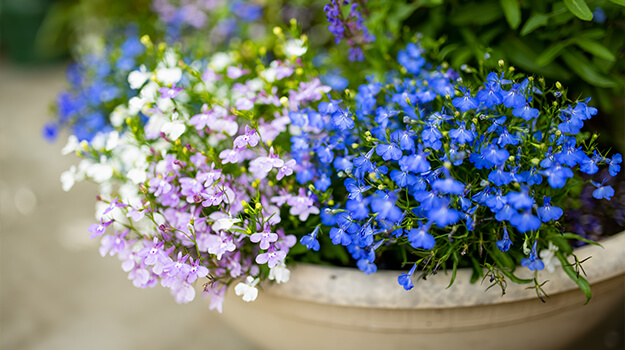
350,287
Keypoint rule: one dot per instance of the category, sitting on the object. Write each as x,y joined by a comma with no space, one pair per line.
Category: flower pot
329,307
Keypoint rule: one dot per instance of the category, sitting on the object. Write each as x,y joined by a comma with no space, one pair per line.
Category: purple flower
170,92
264,237
286,169
230,156
97,230
235,72
271,258
250,138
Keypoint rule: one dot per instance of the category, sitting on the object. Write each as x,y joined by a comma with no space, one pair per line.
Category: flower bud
501,63
277,31
258,206
558,85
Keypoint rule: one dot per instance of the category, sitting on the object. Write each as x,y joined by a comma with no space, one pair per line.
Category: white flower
119,115
280,273
100,172
548,257
68,178
174,129
169,76
136,175
72,145
137,78
112,141
295,47
224,223
247,289
220,61
135,105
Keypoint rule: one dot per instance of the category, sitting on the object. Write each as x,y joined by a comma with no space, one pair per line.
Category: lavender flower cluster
197,190
412,167
350,27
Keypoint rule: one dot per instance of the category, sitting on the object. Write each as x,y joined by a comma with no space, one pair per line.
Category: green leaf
476,13
477,270
455,269
535,21
582,283
503,259
618,2
579,9
582,67
596,49
569,235
512,11
551,53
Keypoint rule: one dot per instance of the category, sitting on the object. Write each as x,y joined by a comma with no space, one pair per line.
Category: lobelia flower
247,289
533,263
405,279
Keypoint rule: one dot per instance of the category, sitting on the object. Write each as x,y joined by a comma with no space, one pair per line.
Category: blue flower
343,120
557,175
419,238
403,178
363,163
615,166
355,189
323,183
405,279
514,98
404,137
602,191
491,95
533,263
500,177
505,243
298,118
443,215
547,212
310,241
462,135
525,222
367,267
329,108
416,163
466,102
358,208
526,112
383,114
448,186
388,151
494,155
383,204
339,236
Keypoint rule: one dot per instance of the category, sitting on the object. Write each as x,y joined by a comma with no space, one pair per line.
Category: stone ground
56,292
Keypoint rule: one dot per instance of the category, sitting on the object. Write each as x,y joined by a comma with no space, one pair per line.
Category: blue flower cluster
409,161
95,89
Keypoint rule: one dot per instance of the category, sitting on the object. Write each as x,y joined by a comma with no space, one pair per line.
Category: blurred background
56,292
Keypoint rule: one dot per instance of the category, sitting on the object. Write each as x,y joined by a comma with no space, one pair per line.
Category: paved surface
56,292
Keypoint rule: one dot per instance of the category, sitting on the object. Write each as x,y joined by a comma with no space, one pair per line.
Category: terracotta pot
342,308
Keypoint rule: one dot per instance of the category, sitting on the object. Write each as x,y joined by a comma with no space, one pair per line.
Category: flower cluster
224,166
423,165
190,183
97,84
349,26
224,18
